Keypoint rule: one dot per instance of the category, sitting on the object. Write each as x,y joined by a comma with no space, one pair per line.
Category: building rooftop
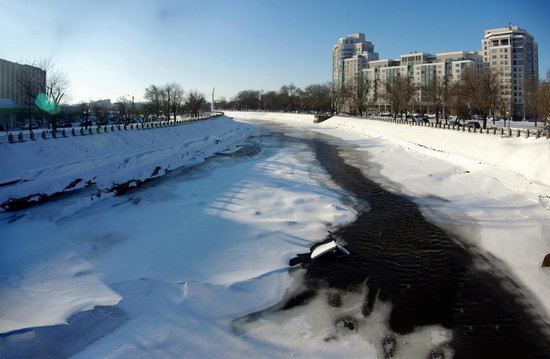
504,30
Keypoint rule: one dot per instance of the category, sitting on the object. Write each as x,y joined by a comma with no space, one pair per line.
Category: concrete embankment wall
36,169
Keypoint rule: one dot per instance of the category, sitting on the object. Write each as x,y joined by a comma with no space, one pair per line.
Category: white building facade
513,53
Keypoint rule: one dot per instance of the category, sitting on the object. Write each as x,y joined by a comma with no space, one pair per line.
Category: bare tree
121,107
289,95
437,95
545,108
153,95
56,90
100,111
398,93
316,98
57,82
175,97
167,99
338,95
248,99
194,102
536,98
483,91
358,94
271,101
503,107
221,103
457,101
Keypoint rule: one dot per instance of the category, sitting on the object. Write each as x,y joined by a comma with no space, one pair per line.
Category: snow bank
527,157
46,167
492,192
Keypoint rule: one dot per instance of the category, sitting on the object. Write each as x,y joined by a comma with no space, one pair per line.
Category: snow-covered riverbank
492,192
181,258
42,168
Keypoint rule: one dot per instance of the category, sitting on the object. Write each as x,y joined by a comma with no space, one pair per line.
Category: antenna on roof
509,26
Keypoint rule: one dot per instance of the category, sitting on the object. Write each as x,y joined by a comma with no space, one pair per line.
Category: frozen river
177,266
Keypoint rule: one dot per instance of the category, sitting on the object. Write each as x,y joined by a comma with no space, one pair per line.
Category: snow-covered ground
493,192
49,166
182,257
187,254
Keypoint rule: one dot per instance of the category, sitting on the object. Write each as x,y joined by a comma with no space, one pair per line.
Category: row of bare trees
171,100
538,98
319,98
478,92
314,98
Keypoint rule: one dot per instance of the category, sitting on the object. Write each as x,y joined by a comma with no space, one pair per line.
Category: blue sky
114,48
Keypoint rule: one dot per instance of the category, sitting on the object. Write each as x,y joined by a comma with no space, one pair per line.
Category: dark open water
428,277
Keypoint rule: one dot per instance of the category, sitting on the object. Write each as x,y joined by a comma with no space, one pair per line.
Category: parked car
31,126
473,124
66,125
417,119
455,123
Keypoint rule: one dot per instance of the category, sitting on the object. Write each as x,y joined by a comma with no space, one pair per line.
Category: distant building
17,82
351,55
513,53
102,103
422,68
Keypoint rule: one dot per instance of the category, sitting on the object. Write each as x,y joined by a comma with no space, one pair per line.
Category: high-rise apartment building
513,54
350,56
